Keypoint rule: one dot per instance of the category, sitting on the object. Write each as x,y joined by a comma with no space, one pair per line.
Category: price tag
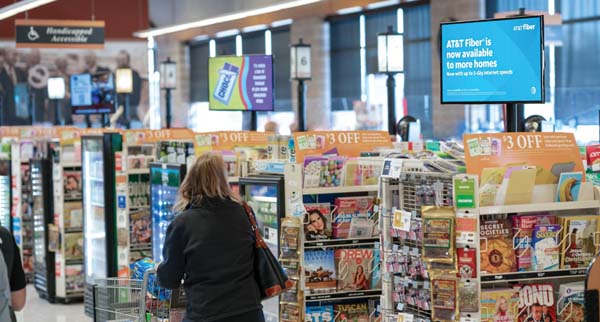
402,220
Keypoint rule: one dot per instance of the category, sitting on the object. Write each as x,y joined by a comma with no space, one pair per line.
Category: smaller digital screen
92,94
164,184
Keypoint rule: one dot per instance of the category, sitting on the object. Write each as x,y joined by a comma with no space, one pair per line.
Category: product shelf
138,171
540,207
529,276
340,242
71,165
343,295
342,189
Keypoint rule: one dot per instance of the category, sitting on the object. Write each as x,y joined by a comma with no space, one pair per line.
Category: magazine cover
571,302
523,229
361,228
74,278
73,215
352,312
317,223
140,223
319,271
579,247
353,268
499,305
536,303
546,253
347,210
323,313
72,183
497,254
74,246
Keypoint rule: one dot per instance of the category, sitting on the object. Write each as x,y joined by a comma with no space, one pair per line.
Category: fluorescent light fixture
227,33
347,11
225,18
381,4
268,45
21,6
281,23
212,48
255,28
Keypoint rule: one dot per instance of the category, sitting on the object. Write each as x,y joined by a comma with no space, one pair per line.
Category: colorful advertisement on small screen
493,61
92,94
241,83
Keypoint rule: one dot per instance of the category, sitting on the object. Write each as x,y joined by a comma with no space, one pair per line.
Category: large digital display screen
493,61
92,94
241,83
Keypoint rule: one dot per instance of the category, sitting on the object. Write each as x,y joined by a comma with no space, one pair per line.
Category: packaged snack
438,234
496,245
499,305
545,242
443,298
467,262
290,236
358,312
320,272
323,313
317,223
523,233
536,302
571,302
468,297
579,248
353,268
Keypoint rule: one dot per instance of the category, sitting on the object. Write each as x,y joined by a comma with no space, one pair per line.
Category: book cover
376,270
353,268
72,184
579,247
352,312
74,246
546,253
347,209
523,231
140,228
571,302
319,271
499,305
323,313
497,252
317,223
73,215
536,302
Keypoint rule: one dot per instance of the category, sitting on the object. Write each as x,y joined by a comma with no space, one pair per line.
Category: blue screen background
516,50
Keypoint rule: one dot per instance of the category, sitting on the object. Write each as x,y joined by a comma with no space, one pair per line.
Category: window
199,54
280,46
345,62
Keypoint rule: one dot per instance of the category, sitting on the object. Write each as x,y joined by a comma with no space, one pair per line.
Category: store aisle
40,310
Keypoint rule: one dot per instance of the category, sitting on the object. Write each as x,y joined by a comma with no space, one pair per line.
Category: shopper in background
13,272
272,126
210,245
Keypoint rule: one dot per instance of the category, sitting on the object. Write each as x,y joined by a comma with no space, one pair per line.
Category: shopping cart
131,300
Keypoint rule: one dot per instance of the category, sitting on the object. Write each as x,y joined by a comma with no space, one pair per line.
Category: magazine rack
396,191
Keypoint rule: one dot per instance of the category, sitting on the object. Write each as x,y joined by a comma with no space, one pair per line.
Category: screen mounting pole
515,116
253,121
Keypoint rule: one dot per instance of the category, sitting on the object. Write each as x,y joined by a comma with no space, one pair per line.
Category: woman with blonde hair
210,245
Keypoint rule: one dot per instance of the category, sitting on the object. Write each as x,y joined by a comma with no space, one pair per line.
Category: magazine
536,303
579,248
352,312
74,246
73,215
140,223
317,223
499,305
497,251
72,184
323,313
354,268
319,270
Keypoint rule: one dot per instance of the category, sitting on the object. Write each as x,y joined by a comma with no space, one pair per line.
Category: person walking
210,245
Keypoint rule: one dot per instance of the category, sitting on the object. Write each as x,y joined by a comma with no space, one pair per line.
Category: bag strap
260,242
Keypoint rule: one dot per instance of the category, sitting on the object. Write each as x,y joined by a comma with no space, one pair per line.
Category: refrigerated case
265,194
99,210
165,180
5,194
43,215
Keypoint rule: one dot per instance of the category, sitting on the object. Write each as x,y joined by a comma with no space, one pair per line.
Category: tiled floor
37,310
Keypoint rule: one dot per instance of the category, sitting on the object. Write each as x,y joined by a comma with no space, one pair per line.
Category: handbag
268,273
